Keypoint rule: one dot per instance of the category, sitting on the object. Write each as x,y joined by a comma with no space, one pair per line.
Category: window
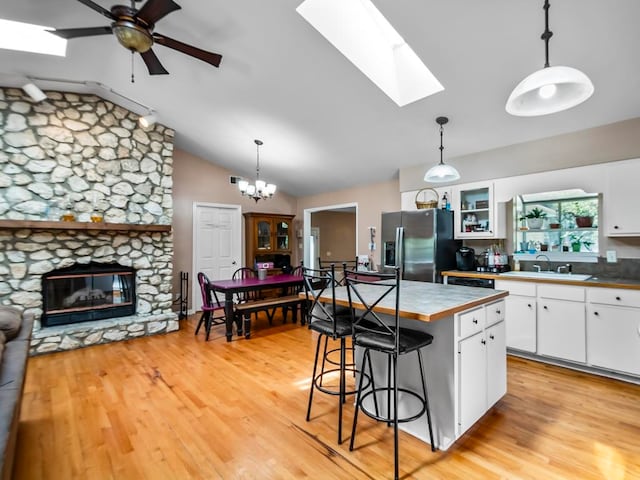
562,224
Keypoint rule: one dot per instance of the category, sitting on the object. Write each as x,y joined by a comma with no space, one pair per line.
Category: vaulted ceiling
325,126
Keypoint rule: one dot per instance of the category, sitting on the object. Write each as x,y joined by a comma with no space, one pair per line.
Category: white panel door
613,338
217,244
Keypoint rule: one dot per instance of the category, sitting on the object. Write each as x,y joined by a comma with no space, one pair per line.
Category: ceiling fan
134,30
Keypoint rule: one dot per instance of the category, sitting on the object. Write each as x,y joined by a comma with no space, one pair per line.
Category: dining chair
212,309
323,318
292,291
366,291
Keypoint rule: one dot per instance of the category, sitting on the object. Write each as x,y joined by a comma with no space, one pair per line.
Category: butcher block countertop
425,301
595,281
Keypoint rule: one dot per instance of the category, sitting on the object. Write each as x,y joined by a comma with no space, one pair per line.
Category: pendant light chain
258,143
547,34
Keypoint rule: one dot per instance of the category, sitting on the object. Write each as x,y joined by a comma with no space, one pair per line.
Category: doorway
217,244
343,219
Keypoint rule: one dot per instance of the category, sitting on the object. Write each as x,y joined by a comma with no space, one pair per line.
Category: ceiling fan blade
81,32
212,58
98,8
154,10
153,64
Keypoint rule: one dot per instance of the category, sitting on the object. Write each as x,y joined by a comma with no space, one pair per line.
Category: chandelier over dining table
260,189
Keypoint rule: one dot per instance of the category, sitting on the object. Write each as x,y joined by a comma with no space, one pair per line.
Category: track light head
147,120
34,92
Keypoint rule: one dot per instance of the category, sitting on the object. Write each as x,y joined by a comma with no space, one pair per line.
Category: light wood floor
176,407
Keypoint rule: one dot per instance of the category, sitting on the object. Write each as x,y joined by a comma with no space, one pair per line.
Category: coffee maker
466,259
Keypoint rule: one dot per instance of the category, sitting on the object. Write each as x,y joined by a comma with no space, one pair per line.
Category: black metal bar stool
330,322
367,291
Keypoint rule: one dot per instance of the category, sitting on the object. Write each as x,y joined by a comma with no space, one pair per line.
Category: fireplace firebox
82,293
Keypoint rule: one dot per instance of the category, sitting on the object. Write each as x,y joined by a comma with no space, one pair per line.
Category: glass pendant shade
549,90
441,173
132,36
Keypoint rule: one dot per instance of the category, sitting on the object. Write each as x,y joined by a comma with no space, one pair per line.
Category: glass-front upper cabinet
283,230
476,214
263,232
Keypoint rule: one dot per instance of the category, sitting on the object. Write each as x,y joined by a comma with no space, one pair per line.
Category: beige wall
371,201
607,143
197,180
337,235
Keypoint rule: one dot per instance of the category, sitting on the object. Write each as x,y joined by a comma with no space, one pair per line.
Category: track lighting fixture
34,92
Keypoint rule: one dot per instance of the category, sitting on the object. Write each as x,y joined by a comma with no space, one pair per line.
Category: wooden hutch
269,239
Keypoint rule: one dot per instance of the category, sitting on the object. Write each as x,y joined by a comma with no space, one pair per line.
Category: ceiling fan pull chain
132,77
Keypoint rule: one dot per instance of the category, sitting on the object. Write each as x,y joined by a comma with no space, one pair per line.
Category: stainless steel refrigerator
420,242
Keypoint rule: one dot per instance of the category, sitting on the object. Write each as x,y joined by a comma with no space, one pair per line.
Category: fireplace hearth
83,293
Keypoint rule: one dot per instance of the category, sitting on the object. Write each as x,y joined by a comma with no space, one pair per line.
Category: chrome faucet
567,268
542,255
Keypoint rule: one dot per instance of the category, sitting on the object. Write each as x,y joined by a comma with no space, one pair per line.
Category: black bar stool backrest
371,290
316,282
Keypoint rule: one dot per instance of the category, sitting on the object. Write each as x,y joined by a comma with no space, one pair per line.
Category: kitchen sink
549,275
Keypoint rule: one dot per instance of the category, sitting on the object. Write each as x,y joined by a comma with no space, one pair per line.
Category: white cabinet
613,329
562,322
482,361
620,198
476,212
521,320
496,363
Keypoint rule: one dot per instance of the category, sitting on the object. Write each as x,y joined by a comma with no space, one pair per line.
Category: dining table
230,287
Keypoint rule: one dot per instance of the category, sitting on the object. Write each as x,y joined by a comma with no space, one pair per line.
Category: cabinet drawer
614,296
517,288
495,312
471,322
561,292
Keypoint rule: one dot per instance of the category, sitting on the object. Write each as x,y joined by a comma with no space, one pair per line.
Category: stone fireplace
84,154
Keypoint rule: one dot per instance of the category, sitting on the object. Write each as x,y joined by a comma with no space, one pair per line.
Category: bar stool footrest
380,418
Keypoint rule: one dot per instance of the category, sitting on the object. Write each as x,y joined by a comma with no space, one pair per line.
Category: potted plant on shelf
535,217
576,240
583,215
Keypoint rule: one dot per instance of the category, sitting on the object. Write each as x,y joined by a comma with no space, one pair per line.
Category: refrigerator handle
399,247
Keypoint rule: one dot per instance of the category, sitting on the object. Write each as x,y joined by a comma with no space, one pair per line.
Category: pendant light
441,173
259,190
551,89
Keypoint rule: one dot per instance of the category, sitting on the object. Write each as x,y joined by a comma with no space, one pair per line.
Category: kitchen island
466,363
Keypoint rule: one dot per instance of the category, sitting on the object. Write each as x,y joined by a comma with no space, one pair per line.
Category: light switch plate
611,256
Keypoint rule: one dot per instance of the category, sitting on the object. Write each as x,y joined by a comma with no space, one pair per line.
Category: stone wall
85,154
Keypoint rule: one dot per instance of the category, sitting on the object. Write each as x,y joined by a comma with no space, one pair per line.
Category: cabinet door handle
498,312
616,227
596,313
492,337
618,298
529,305
475,320
545,307
483,341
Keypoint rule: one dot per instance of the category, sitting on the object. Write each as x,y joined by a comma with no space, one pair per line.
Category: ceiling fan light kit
133,29
551,89
441,172
261,189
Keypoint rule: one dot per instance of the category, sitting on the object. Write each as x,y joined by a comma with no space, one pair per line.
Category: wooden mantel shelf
53,225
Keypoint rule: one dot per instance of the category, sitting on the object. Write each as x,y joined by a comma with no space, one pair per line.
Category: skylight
363,35
26,37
